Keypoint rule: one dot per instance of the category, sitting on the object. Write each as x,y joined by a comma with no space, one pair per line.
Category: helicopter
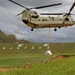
33,20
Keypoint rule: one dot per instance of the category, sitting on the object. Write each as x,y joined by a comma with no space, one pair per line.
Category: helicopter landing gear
59,27
32,29
55,29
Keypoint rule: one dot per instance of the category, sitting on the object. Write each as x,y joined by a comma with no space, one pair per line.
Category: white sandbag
48,52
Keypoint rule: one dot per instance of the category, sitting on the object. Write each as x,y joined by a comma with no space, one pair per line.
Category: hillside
4,38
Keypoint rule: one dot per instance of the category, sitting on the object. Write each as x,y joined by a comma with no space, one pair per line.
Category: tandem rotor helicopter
33,20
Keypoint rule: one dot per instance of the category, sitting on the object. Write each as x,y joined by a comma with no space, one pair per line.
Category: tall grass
58,67
40,63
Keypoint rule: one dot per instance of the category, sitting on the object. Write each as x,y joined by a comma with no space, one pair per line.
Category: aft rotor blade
69,12
56,14
71,8
46,6
52,13
18,4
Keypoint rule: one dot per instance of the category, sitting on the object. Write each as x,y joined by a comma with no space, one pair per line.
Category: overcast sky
10,23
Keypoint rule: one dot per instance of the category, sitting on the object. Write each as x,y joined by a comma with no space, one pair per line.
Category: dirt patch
8,69
61,57
4,69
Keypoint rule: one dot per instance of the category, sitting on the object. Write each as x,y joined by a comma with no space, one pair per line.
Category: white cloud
12,24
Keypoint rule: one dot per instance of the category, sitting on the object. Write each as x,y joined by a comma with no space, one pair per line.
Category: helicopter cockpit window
34,16
35,12
29,19
25,13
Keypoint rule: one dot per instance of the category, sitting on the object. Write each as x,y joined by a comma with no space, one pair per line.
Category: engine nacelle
67,19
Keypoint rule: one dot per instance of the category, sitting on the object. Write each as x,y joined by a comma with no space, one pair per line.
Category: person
27,65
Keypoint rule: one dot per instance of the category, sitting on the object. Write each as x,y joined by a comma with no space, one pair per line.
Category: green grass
63,67
37,59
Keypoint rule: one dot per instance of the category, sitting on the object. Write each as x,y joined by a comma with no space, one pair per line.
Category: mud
61,57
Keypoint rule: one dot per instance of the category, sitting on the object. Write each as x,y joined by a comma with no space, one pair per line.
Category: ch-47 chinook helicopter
33,20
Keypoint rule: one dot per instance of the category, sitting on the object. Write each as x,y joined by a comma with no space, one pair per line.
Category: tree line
4,38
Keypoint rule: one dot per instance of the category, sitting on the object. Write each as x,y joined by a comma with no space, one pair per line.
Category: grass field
40,64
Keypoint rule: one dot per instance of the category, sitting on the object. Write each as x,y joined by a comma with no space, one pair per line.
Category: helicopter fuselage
33,20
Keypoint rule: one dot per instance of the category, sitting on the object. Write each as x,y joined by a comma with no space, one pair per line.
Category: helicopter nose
25,21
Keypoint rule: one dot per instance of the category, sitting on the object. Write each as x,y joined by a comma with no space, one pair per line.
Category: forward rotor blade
46,6
17,4
71,8
19,14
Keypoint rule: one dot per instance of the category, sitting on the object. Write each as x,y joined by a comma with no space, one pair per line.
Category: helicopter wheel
55,29
59,27
32,29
